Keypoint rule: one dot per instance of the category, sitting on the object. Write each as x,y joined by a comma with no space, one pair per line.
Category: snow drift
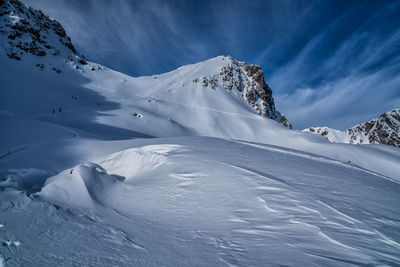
249,211
194,167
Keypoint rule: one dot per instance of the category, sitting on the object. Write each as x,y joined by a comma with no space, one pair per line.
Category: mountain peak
248,79
27,31
383,130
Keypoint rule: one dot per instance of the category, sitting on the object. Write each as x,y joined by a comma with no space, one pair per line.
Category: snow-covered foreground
202,201
95,184
187,168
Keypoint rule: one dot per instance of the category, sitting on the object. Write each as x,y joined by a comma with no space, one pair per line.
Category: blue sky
329,63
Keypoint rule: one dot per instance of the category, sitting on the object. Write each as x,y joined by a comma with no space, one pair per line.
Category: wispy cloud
357,80
331,62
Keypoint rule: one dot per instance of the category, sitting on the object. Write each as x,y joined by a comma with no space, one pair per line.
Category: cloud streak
356,81
331,63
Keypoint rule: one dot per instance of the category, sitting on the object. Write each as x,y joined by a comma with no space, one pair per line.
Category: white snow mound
81,186
242,199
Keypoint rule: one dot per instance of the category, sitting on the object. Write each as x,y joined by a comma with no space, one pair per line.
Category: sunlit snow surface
207,201
89,186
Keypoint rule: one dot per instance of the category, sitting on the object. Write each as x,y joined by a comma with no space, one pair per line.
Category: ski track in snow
273,207
317,158
15,151
255,116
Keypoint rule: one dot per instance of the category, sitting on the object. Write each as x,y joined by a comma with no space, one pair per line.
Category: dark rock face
249,80
29,31
383,130
260,90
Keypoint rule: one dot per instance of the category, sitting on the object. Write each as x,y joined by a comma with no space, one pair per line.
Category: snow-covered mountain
383,130
24,30
28,31
249,80
186,168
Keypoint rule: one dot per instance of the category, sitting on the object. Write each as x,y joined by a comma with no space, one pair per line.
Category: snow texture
187,168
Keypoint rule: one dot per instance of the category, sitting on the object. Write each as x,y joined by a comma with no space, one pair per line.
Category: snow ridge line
256,116
16,150
316,158
13,151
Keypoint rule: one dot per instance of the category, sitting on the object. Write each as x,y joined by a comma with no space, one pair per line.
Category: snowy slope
383,130
103,104
332,135
187,168
205,202
26,31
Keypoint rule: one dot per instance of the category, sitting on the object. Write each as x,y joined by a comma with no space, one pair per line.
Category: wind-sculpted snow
86,185
187,168
285,209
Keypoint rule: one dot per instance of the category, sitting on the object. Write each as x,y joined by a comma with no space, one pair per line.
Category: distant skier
71,171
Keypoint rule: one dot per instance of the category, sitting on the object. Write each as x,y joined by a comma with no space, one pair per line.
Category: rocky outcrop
25,30
249,80
383,130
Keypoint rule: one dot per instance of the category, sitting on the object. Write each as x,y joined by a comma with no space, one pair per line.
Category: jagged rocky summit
248,79
27,31
383,130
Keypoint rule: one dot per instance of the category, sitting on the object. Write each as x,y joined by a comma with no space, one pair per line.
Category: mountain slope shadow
58,98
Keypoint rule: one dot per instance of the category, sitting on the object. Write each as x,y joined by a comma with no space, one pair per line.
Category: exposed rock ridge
383,130
249,80
29,31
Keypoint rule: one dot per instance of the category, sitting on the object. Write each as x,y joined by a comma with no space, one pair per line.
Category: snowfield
209,201
95,184
98,168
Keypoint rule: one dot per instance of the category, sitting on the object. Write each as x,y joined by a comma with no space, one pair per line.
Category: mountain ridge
25,30
382,130
186,168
